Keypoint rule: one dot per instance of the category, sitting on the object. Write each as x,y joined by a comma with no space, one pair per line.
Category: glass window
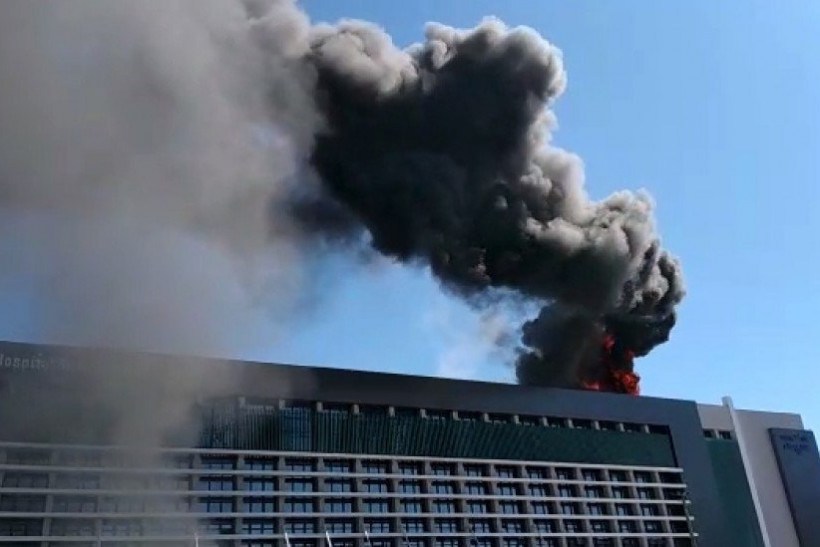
376,506
474,470
410,468
338,466
540,508
257,505
258,526
10,502
299,485
441,469
506,489
443,506
596,508
300,526
410,487
212,484
260,464
546,526
339,526
339,505
537,473
446,526
292,464
217,462
413,526
260,485
475,488
377,526
215,505
442,488
481,526
25,480
23,527
408,506
512,526
298,505
477,507
599,526
504,472
374,486
374,467
338,485
539,490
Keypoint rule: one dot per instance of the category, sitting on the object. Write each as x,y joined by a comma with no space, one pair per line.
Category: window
653,527
442,488
617,476
258,526
627,527
375,486
413,526
25,503
257,505
593,492
25,480
646,494
505,472
596,509
376,506
26,456
377,526
446,542
260,464
340,526
220,527
540,508
569,509
300,527
573,526
338,485
298,505
620,492
446,526
547,542
410,487
481,526
512,526
529,420
299,485
443,506
546,526
513,542
213,484
22,527
376,468
212,462
408,506
536,473
506,489
474,471
649,510
337,466
591,475
623,510
599,526
260,485
113,527
475,488
508,507
566,491
477,507
642,477
441,469
215,505
539,490
339,506
409,468
299,465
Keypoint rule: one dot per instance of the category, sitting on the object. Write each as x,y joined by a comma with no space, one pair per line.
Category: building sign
799,463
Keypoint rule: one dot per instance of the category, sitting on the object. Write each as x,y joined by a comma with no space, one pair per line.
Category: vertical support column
744,456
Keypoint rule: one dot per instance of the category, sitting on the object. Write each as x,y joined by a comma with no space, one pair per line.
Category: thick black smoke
440,153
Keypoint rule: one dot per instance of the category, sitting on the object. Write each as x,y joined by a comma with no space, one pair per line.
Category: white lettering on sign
32,362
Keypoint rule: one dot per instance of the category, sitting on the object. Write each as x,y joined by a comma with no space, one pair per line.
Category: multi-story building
297,456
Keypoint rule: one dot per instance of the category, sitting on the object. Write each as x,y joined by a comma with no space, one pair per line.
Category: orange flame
618,376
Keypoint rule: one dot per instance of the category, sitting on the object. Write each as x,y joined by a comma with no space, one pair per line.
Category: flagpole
287,541
327,535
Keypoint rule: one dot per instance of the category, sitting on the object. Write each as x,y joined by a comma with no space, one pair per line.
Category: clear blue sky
711,106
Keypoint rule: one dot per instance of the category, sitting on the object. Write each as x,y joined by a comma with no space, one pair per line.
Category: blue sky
712,107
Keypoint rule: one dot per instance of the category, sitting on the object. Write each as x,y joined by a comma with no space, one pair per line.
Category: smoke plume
168,170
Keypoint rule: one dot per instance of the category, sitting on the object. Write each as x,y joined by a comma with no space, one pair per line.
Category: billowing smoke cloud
167,169
441,154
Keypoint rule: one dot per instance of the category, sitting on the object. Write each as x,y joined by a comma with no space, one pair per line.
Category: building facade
302,457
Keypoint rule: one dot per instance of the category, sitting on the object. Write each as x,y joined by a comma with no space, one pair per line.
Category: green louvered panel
302,430
734,492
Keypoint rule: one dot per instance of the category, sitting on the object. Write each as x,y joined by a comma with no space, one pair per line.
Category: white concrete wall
754,426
